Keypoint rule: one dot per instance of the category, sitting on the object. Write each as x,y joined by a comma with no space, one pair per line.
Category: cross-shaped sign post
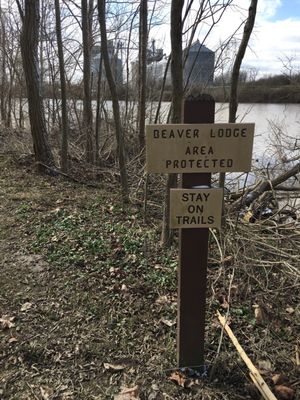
196,149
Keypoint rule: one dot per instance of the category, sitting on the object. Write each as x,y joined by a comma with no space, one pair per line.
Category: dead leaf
178,378
162,300
128,394
67,395
114,271
284,393
248,216
223,302
6,322
26,306
290,310
227,260
46,392
12,340
168,322
264,366
184,381
77,349
261,316
55,210
124,288
279,379
113,367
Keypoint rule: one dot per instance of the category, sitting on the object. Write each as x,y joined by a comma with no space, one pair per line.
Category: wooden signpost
195,149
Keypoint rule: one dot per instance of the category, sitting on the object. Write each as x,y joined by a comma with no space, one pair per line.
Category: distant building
156,72
115,62
199,66
198,69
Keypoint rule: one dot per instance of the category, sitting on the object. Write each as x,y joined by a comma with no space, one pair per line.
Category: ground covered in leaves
88,297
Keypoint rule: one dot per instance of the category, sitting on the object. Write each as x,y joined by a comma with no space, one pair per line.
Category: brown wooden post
193,257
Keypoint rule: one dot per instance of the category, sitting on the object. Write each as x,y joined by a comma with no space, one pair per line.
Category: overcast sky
276,34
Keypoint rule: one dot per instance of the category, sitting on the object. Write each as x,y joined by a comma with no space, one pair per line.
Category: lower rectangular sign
196,208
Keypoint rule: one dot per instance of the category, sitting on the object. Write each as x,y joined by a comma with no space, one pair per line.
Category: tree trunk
29,50
143,40
64,117
3,70
233,101
177,98
238,60
87,98
98,113
115,102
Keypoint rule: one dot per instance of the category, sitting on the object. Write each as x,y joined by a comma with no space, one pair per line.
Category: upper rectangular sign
187,148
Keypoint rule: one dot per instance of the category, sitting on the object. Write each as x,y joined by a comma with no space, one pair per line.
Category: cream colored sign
196,208
186,148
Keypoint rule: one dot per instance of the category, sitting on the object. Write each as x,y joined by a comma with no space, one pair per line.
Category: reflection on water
277,132
268,119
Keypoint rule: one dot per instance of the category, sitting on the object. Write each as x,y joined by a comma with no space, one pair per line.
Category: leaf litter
100,288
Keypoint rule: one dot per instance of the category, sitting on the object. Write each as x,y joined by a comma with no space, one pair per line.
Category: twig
32,392
218,244
297,355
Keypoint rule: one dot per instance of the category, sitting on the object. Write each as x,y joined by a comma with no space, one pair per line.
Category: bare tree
86,12
143,41
116,108
239,58
64,117
98,113
29,50
177,98
3,94
233,102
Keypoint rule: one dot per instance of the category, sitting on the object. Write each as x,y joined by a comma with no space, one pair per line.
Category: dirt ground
88,298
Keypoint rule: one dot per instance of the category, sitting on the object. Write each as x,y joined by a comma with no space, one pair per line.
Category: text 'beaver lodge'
179,148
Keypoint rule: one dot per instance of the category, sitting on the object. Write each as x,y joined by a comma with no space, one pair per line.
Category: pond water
270,120
277,135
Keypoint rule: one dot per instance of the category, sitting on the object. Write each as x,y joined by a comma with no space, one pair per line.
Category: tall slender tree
114,95
143,41
233,99
64,116
86,13
177,99
3,94
233,102
29,50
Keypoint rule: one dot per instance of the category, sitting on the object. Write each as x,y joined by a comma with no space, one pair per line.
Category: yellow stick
254,373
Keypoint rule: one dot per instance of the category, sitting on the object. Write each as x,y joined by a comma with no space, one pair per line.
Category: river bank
88,297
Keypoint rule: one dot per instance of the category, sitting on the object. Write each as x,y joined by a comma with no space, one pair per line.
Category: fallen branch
55,172
288,188
254,373
249,197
